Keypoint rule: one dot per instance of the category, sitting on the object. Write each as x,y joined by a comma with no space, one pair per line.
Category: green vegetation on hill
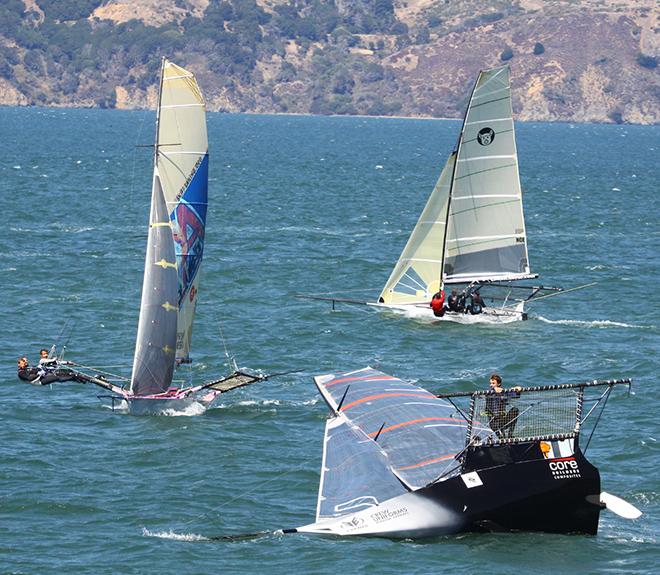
324,56
51,57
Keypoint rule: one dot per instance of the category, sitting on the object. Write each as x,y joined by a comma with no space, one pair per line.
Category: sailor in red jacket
438,304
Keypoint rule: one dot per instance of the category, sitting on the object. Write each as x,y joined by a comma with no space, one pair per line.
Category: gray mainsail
155,347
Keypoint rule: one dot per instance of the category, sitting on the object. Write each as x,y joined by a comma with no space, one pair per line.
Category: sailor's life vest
438,304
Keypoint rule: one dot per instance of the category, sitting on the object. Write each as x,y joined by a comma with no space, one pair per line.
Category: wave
173,535
601,323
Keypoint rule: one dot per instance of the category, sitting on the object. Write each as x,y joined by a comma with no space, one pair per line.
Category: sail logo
565,468
188,232
486,136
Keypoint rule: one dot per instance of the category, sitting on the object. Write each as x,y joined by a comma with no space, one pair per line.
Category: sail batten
475,122
172,106
482,158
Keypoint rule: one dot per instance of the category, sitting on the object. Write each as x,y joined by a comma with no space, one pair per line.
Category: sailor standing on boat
501,420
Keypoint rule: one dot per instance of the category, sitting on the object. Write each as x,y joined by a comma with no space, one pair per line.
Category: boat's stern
528,486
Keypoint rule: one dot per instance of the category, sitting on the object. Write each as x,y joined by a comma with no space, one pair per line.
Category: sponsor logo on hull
388,515
565,468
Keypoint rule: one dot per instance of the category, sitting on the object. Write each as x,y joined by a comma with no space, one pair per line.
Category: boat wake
173,536
599,323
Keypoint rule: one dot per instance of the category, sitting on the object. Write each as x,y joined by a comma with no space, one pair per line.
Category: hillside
581,61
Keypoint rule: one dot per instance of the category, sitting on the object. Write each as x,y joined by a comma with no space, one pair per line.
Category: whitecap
263,402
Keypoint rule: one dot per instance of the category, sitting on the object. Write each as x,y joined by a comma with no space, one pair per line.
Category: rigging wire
101,371
605,396
230,357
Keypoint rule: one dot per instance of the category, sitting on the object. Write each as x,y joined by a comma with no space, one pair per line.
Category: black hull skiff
401,462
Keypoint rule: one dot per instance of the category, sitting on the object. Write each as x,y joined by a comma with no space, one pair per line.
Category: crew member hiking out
453,302
44,374
477,304
438,304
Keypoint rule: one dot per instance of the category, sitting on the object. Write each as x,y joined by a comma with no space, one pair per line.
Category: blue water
301,205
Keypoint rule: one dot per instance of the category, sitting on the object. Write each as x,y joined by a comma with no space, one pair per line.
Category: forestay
387,437
182,163
486,236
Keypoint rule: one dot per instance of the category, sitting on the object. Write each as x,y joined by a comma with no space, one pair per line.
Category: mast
160,97
153,363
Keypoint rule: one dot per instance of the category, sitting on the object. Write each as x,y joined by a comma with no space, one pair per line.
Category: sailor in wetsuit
460,306
452,301
45,373
438,304
45,361
501,419
477,304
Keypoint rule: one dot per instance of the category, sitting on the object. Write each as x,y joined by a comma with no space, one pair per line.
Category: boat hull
488,316
513,492
193,403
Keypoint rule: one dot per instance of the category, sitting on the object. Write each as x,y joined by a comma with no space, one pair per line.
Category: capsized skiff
175,246
401,462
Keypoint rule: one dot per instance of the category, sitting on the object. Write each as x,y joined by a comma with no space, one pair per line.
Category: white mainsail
182,161
176,238
486,237
472,228
416,275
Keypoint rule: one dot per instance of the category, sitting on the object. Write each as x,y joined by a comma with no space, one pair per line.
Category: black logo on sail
486,136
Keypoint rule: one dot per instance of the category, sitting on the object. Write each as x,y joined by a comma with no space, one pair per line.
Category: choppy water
301,205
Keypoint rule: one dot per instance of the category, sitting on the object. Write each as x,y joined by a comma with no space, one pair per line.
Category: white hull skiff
489,315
